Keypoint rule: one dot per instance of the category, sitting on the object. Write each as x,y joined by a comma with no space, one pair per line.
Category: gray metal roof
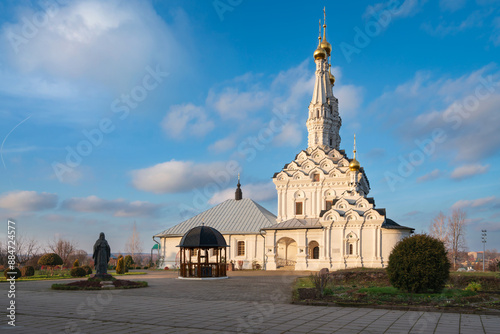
295,223
229,217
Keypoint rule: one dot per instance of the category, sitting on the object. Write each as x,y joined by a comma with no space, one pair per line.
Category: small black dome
202,236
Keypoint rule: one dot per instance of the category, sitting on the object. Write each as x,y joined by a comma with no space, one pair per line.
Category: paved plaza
247,302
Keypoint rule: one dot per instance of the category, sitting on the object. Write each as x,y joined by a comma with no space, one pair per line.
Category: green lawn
43,275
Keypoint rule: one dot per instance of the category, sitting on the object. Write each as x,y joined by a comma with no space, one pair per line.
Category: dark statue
101,255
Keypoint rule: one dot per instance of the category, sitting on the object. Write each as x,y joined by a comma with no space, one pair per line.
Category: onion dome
354,165
331,76
324,43
319,53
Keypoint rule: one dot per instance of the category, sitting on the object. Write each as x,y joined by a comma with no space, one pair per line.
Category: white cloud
407,8
223,145
23,200
476,203
85,44
464,108
186,120
474,19
350,99
430,176
178,176
290,135
118,207
452,5
234,104
258,192
467,171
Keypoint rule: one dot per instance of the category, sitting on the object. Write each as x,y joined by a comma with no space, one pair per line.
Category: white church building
325,218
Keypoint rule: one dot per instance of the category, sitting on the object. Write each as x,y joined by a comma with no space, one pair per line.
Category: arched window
313,250
315,253
351,249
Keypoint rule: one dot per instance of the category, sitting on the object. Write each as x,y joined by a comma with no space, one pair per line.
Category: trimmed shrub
17,274
78,272
76,263
419,263
50,259
129,261
28,271
120,266
88,269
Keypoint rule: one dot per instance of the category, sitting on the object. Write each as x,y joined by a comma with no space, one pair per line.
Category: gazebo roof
202,236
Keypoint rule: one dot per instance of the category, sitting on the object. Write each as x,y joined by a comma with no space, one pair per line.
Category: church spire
324,44
323,123
354,165
238,195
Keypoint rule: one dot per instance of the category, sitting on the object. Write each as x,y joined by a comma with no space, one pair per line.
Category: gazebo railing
203,269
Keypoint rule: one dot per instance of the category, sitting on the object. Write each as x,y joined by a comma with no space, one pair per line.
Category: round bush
418,264
78,272
50,259
17,274
88,269
28,271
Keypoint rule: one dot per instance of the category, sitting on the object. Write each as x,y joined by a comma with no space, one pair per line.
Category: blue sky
99,100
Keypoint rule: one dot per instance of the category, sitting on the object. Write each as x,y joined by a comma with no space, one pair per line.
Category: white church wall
390,237
170,252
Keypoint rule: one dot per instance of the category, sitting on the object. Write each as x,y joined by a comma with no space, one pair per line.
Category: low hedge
78,272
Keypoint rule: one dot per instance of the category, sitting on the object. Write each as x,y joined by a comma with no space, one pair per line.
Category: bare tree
63,248
133,245
456,233
26,249
439,229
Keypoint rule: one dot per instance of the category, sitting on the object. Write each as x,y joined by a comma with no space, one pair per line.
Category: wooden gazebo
203,254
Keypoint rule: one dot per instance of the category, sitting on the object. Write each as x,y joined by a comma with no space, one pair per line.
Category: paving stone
241,303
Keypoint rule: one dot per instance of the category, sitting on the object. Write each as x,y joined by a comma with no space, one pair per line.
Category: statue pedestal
102,277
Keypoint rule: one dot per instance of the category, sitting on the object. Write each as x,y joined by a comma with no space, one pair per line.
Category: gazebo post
199,265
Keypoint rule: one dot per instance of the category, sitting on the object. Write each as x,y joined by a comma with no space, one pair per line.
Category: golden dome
326,46
319,53
324,43
332,79
354,165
